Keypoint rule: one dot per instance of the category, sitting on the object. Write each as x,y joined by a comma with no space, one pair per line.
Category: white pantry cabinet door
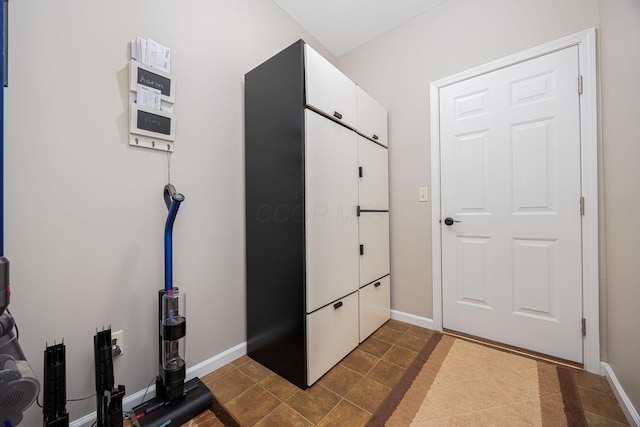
373,160
331,193
374,246
372,117
332,332
375,306
328,90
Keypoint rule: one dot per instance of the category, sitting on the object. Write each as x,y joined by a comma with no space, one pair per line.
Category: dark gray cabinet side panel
275,228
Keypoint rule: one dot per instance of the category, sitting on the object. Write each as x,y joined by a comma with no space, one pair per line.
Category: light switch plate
423,194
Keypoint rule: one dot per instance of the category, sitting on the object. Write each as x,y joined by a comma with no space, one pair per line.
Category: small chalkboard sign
155,79
152,123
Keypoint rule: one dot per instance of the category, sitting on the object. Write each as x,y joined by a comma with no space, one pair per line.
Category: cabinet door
374,241
332,332
374,180
328,90
331,193
372,117
375,306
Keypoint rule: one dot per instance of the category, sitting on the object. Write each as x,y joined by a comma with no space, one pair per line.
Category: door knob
449,221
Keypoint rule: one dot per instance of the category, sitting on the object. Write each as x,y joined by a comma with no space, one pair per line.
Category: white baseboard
627,407
412,319
199,370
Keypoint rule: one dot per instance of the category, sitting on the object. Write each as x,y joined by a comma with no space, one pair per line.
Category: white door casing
526,199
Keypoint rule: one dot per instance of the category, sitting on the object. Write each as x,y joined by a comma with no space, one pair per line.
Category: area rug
454,382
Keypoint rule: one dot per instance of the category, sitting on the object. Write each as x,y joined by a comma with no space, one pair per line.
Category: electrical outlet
117,343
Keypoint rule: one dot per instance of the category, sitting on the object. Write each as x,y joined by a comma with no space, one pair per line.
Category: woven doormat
454,382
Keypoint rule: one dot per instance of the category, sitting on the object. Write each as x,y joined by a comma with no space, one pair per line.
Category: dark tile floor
600,406
346,396
350,392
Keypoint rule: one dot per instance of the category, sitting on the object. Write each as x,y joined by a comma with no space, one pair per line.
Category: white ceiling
343,25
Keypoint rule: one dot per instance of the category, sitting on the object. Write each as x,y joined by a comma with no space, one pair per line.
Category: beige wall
461,34
620,91
397,69
84,211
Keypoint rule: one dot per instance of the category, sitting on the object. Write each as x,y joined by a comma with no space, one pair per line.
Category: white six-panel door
510,173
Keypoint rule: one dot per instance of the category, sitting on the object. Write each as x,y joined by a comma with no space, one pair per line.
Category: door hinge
582,205
579,85
584,327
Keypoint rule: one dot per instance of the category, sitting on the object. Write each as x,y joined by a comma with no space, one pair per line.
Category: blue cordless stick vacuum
176,401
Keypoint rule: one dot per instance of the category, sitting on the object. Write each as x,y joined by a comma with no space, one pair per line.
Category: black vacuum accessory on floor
108,397
54,409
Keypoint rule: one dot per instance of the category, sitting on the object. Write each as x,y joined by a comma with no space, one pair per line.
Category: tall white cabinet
317,214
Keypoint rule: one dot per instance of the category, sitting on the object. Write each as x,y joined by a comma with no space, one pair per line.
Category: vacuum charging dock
176,401
155,413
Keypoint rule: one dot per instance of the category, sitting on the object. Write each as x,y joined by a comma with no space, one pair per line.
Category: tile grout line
607,418
327,414
596,391
358,406
256,383
302,416
597,413
334,407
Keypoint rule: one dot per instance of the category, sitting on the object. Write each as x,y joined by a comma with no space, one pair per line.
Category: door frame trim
586,43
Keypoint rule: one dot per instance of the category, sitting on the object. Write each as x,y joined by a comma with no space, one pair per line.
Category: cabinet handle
360,172
337,305
375,137
376,284
337,115
361,249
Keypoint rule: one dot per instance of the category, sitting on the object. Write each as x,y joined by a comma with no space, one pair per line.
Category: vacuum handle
172,199
171,195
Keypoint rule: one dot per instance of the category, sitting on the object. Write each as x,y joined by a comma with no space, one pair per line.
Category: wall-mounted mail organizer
151,100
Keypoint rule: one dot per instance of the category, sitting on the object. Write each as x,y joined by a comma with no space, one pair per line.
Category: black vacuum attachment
55,387
108,398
